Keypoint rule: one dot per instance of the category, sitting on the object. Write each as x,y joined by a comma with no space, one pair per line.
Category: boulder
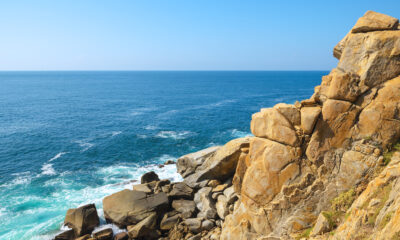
222,206
272,165
373,21
309,116
149,177
169,220
82,219
221,166
270,123
121,236
184,206
181,190
207,225
321,226
105,234
129,207
205,203
66,235
188,164
145,228
194,224
290,112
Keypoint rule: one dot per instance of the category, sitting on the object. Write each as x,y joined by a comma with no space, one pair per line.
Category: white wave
142,136
217,104
175,135
150,127
140,111
85,145
47,169
3,212
115,133
239,134
20,179
57,156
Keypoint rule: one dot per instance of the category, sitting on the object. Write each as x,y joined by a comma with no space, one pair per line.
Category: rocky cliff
323,168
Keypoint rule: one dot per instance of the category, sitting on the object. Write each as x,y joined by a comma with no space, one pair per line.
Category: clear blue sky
177,34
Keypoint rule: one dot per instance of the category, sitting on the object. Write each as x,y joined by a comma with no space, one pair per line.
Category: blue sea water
70,138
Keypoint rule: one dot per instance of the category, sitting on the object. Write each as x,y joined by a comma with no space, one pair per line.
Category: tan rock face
373,21
375,214
342,128
272,164
271,124
380,119
374,56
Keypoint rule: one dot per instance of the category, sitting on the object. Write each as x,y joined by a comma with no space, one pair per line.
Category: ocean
71,138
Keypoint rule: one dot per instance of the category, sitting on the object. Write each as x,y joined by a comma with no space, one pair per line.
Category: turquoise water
70,138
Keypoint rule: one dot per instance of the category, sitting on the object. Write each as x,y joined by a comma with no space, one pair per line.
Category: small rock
230,194
213,183
149,177
66,235
207,225
145,229
160,165
105,234
184,206
205,203
215,195
121,236
194,224
321,226
169,162
222,206
220,188
169,220
181,190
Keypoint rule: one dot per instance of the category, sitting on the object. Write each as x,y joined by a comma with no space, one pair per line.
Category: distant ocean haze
70,138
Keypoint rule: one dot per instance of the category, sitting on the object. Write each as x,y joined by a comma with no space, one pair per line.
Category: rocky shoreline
322,168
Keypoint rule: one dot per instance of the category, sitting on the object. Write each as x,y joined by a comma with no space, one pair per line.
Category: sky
177,34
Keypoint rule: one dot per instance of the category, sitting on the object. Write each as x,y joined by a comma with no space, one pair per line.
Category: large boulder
129,207
272,165
270,123
82,219
187,165
222,164
373,21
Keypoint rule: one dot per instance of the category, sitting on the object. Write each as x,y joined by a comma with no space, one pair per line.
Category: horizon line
203,70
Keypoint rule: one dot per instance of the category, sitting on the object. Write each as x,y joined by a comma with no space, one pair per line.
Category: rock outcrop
293,171
322,168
